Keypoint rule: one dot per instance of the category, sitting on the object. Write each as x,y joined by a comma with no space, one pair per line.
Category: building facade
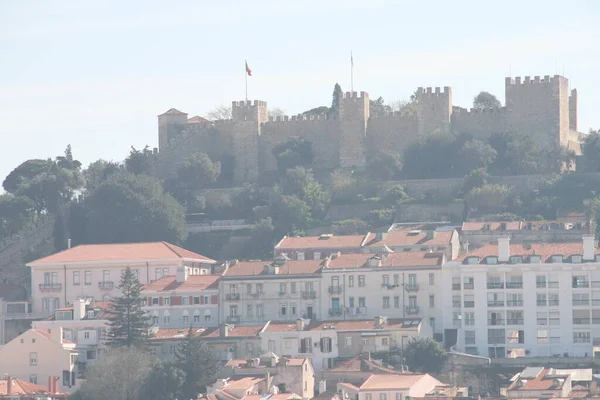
542,106
94,271
517,300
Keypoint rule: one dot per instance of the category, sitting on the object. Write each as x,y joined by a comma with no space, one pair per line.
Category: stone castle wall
541,107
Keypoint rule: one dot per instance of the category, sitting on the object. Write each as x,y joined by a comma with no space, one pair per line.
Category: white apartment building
259,291
394,284
85,324
183,300
516,300
94,271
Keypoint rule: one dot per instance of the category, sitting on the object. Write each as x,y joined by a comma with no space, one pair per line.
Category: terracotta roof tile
355,365
395,259
321,242
492,225
21,387
243,383
409,238
197,120
235,331
360,325
121,252
193,283
174,333
390,381
46,335
279,396
173,111
291,267
540,382
545,250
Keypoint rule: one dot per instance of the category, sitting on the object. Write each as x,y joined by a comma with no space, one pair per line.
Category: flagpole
351,72
246,75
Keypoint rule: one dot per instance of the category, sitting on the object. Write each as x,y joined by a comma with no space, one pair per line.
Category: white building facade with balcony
524,300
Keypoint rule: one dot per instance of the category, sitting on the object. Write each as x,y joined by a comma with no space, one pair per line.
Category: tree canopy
198,363
294,152
424,355
486,101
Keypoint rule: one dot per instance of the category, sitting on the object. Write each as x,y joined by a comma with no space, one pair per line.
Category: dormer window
90,314
535,259
491,260
576,258
472,260
516,259
557,258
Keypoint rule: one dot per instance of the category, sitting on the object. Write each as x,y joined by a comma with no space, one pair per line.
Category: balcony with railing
456,303
495,285
335,311
309,295
356,311
540,285
412,310
514,321
412,287
20,310
581,302
468,285
233,318
514,303
580,284
254,295
232,296
554,321
553,285
469,304
496,322
50,287
456,286
106,285
335,289
581,321
514,285
495,303
541,303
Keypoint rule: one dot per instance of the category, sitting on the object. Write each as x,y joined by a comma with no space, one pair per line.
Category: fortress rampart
542,107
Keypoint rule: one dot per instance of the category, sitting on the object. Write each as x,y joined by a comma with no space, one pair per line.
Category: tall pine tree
335,99
128,322
198,363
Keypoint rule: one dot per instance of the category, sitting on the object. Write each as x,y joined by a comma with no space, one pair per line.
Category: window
326,345
233,311
351,302
385,280
542,318
283,310
75,277
362,302
90,354
185,300
259,288
293,287
541,300
259,310
155,301
196,318
382,396
431,278
469,337
165,271
86,335
196,299
348,341
396,301
385,341
185,319
249,288
293,308
398,396
552,299
166,301
287,343
167,320
300,255
88,277
540,281
412,280
106,275
431,301
469,318
386,302
249,309
317,255
282,288
542,336
350,281
207,317
206,299
368,396
432,323
581,337
158,273
32,358
33,379
155,319
361,281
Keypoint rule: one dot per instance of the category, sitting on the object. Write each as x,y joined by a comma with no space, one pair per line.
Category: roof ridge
170,247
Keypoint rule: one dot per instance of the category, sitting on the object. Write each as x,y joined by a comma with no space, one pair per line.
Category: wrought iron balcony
412,287
309,295
335,289
495,285
335,311
233,296
51,287
233,318
106,285
411,310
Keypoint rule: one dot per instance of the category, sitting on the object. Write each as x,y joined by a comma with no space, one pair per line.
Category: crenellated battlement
392,114
537,80
300,117
354,95
478,111
437,92
248,103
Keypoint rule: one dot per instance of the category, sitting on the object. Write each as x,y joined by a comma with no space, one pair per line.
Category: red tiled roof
173,111
175,333
291,267
243,383
321,242
197,120
121,252
355,365
235,331
243,363
408,238
540,382
278,396
361,325
396,259
192,283
493,225
390,381
46,335
544,250
24,388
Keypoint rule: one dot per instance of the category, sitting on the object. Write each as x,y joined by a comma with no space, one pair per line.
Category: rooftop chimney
224,330
300,324
8,385
381,236
322,386
68,243
589,248
378,322
79,309
182,273
56,333
503,249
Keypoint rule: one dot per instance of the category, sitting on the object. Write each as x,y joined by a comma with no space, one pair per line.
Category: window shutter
214,299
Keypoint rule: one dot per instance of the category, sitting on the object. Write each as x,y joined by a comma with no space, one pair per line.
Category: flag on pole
248,70
351,60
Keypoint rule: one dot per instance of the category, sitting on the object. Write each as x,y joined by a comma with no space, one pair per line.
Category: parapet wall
429,92
391,131
537,80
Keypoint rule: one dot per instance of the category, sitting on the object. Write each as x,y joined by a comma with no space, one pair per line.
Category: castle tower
434,110
353,114
573,110
170,124
541,107
247,119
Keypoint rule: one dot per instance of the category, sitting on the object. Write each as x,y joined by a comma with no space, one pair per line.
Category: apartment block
517,300
94,271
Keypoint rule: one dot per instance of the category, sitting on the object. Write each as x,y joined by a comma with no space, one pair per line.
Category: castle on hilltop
542,107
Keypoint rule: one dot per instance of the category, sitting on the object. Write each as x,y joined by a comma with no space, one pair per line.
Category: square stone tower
353,114
170,124
248,117
434,110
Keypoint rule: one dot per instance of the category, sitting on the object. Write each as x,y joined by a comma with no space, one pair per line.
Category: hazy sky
96,74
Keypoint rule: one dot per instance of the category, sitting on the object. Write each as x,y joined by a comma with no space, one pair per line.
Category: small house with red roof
19,389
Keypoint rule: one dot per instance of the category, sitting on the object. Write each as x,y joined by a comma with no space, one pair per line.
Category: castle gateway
542,107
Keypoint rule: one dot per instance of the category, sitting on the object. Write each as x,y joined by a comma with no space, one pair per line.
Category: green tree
67,161
395,194
196,172
486,101
198,363
425,355
378,106
301,183
290,215
293,153
277,112
476,178
590,150
428,157
164,382
128,322
350,227
98,172
335,99
475,154
140,161
14,213
220,112
384,165
489,198
321,110
133,208
24,173
378,218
